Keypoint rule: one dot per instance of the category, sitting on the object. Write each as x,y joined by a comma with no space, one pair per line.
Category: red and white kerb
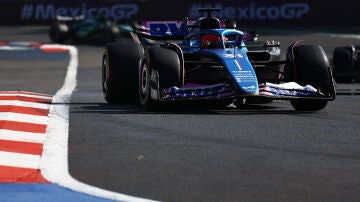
23,122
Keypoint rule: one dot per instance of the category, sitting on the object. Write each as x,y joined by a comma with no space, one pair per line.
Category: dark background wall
260,12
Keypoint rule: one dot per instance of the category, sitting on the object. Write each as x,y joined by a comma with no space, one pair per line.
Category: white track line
22,136
19,160
12,48
54,161
348,36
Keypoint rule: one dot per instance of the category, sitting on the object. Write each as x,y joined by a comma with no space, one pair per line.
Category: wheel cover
144,79
105,73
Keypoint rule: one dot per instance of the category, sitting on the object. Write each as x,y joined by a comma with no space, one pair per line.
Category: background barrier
269,12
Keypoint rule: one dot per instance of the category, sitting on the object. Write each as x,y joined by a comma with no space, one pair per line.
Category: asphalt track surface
263,152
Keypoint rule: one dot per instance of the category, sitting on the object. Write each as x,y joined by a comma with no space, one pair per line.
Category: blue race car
213,64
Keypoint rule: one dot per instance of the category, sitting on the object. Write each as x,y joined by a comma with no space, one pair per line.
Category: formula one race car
212,64
96,30
346,61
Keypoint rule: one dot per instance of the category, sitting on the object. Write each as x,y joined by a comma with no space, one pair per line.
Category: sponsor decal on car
163,28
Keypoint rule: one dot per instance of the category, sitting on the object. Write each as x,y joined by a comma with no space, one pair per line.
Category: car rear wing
258,45
160,30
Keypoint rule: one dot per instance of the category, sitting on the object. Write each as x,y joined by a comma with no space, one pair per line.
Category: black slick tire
166,64
343,61
309,65
56,34
120,72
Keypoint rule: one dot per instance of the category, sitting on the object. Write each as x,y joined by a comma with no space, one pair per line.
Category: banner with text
270,12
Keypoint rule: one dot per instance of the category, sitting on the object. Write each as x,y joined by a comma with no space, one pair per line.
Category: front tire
308,64
159,71
58,32
308,105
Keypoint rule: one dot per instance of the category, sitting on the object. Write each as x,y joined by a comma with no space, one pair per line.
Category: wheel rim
105,74
144,80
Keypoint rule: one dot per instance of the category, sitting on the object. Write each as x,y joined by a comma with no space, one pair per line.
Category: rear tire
120,72
343,61
309,65
343,57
